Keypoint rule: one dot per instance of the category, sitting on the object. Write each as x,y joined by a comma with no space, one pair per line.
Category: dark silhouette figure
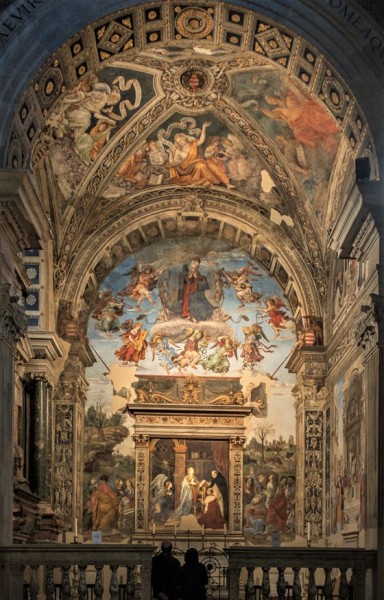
194,577
166,574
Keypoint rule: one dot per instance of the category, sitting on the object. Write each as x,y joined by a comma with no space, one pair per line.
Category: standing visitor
194,577
166,574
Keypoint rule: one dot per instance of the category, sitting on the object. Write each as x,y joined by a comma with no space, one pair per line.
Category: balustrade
111,571
314,573
31,571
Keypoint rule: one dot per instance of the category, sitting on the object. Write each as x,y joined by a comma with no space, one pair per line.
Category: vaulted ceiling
172,119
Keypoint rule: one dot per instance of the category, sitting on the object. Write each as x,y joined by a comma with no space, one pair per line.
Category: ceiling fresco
165,100
113,87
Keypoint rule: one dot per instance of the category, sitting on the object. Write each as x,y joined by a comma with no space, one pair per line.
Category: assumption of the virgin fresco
195,308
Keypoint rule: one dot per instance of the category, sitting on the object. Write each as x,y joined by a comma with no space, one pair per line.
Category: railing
325,573
123,572
39,566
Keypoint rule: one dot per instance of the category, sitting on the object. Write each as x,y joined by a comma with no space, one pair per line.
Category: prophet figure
309,123
187,167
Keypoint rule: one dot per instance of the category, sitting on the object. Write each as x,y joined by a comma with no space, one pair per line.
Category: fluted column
12,328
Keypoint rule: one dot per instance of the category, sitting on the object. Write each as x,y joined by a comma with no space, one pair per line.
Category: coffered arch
193,216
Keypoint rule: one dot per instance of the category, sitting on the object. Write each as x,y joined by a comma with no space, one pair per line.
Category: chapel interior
192,294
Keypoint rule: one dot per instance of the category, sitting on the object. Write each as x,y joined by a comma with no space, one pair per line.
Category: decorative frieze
195,421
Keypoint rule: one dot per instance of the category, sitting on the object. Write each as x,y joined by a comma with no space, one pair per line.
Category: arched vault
276,126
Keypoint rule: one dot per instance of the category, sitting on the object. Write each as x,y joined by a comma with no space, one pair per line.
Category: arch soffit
189,215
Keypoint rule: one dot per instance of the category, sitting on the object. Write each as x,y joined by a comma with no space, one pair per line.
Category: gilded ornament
194,23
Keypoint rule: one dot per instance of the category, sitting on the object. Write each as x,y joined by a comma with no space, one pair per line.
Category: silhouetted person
194,577
166,574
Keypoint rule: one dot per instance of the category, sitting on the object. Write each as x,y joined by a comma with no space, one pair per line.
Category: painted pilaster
142,481
12,328
236,452
310,393
69,407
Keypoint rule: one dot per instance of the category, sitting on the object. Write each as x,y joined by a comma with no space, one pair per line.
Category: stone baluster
146,592
14,585
266,586
343,587
65,583
49,583
312,589
296,588
114,583
34,587
281,585
99,588
249,587
130,589
83,591
75,583
234,583
328,584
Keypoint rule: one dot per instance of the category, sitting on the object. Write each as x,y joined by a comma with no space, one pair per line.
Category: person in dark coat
166,574
194,577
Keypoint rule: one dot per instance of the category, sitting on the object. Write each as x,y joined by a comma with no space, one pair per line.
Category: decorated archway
193,162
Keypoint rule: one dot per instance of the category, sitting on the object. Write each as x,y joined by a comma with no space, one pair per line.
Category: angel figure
240,281
144,279
165,350
107,312
135,344
278,319
252,346
218,361
191,355
161,492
